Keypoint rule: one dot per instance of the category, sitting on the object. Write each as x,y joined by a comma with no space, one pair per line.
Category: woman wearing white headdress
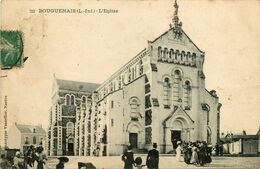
178,151
18,162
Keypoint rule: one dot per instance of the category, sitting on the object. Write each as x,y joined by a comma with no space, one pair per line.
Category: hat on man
130,147
154,145
63,159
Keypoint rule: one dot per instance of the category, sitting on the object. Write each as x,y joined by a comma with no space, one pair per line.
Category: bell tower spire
177,25
175,18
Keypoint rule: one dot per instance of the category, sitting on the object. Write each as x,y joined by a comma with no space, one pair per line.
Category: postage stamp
11,49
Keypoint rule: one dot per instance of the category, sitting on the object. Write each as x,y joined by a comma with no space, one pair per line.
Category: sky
91,47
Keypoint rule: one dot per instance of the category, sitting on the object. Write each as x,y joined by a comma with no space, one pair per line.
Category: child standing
138,163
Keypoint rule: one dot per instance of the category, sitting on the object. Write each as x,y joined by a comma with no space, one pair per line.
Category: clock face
11,49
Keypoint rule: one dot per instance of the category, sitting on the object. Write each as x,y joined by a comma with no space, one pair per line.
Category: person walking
202,153
194,156
128,158
178,151
152,160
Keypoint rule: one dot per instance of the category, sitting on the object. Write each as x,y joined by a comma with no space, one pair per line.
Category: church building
158,96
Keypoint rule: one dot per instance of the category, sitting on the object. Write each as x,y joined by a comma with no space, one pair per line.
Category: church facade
158,96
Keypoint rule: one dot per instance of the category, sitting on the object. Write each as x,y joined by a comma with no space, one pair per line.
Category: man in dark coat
152,160
128,158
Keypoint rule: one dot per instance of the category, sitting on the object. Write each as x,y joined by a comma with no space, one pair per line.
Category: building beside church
158,96
22,136
68,132
241,143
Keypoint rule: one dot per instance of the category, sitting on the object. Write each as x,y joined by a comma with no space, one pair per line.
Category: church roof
30,129
171,29
76,86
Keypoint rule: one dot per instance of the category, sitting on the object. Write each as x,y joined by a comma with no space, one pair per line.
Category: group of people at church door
152,160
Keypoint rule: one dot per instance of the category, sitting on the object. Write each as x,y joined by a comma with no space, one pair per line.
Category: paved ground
166,162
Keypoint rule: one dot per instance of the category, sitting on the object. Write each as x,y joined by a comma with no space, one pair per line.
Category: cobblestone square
166,162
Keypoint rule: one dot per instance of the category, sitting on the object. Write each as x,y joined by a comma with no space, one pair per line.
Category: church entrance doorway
70,147
175,137
133,139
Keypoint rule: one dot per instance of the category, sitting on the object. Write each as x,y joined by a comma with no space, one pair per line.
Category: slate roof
29,129
77,86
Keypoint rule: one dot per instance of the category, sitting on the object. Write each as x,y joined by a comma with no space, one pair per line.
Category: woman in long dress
194,157
178,152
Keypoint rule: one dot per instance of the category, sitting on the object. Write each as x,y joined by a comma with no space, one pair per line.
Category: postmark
11,49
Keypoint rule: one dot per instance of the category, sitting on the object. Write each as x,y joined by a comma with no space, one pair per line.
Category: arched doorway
134,129
179,131
70,146
177,126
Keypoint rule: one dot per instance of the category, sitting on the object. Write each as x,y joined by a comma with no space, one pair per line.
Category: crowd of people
197,153
34,158
192,153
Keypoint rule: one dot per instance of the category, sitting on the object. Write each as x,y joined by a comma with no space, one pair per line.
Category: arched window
123,80
159,53
177,56
72,100
26,140
119,82
111,87
170,59
165,53
207,117
193,58
105,91
134,108
166,92
41,142
176,86
70,128
182,56
83,99
114,85
133,73
140,67
187,95
129,75
189,58
34,139
67,100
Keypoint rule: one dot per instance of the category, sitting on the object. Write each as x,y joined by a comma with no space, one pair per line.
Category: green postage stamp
11,49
